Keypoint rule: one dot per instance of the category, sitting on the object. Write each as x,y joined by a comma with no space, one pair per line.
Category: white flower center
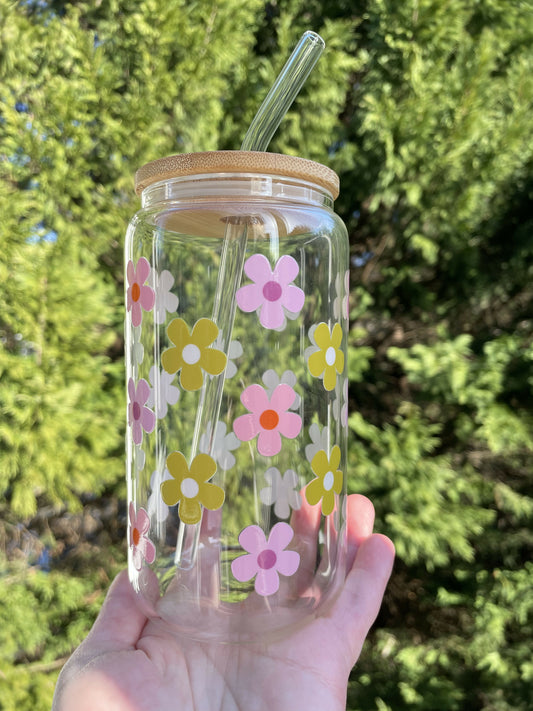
191,354
189,488
331,356
328,482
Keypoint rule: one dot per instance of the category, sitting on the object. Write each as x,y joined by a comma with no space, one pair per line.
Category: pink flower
139,296
269,418
265,559
272,292
140,417
141,546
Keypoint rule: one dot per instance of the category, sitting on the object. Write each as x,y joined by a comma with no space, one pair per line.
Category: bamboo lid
236,162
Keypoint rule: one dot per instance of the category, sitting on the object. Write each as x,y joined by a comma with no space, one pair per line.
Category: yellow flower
190,487
329,359
328,480
191,353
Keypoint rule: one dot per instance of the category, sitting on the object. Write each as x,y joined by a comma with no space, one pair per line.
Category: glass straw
264,124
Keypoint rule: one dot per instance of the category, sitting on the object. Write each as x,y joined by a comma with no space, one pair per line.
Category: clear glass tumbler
236,325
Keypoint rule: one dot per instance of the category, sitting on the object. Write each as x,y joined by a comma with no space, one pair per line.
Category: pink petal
250,297
246,427
130,272
244,567
286,270
143,270
147,549
290,424
147,420
133,518
280,537
255,398
267,582
147,298
137,432
269,443
137,558
143,392
257,267
293,299
136,314
282,398
131,390
252,539
287,562
272,315
143,521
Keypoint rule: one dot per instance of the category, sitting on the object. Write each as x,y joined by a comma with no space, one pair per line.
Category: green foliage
424,109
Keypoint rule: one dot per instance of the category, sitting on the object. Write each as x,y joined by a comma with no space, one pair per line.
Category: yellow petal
178,333
190,511
211,496
314,491
203,467
328,502
336,336
204,332
322,336
316,363
177,466
330,377
337,481
213,361
335,458
339,361
171,360
320,463
170,492
191,377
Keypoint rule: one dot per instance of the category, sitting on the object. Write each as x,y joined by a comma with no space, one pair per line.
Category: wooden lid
236,162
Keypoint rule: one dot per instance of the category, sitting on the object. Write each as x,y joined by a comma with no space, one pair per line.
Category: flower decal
328,360
268,418
141,546
221,446
281,491
140,417
191,353
271,380
156,507
328,481
165,300
272,292
163,393
190,487
319,440
265,560
139,296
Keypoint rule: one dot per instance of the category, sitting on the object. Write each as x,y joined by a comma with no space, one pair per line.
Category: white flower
341,304
340,405
165,300
281,491
234,351
222,445
140,458
163,393
137,348
319,439
156,507
271,380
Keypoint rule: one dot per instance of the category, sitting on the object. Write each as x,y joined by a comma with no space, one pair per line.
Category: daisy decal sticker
272,293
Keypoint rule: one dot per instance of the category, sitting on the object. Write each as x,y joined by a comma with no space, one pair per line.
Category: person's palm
130,664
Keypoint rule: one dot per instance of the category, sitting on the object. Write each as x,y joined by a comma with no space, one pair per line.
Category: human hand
128,663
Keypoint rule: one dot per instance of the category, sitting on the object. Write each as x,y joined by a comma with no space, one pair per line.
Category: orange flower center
269,419
135,291
136,536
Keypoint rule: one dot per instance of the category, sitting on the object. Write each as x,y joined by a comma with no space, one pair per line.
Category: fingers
359,524
120,622
359,602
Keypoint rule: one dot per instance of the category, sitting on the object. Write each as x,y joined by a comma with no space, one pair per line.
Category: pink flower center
135,292
269,419
266,559
272,291
136,536
136,411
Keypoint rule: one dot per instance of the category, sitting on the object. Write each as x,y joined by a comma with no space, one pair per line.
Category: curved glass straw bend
283,92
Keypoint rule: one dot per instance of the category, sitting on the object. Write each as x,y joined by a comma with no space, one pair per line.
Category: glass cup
236,328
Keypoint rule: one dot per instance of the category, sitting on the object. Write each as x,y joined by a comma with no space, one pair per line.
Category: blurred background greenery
424,108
